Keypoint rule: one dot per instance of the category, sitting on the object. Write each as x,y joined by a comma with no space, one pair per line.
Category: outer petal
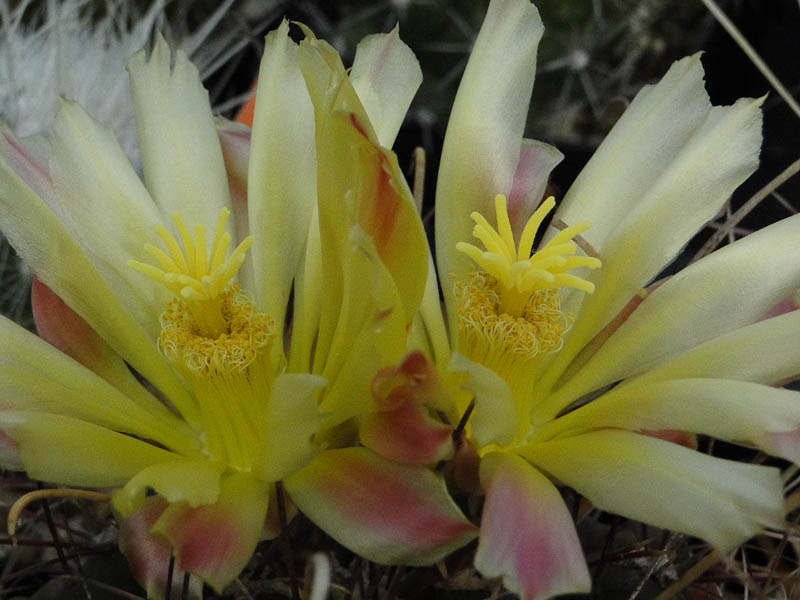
34,376
66,330
359,183
72,452
683,195
215,541
46,246
736,411
149,555
291,419
386,512
699,303
527,535
282,179
181,154
482,146
385,75
407,434
667,485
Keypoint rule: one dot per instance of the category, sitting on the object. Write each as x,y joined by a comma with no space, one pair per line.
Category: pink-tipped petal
27,167
62,327
234,139
386,512
149,555
536,160
215,541
527,535
407,434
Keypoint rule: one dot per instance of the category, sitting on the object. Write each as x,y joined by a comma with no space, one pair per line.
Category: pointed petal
702,302
536,160
195,482
386,75
666,485
736,411
35,376
101,199
67,451
45,245
282,183
386,512
215,541
732,355
149,555
624,167
494,419
356,174
717,156
181,155
58,324
527,535
407,434
292,418
484,134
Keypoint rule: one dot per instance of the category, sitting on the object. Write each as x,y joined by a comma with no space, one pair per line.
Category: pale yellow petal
735,411
718,155
181,155
484,134
46,246
728,289
386,75
105,206
67,451
36,376
282,178
667,485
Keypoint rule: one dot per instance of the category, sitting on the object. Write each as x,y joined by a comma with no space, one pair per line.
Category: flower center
214,337
192,274
509,311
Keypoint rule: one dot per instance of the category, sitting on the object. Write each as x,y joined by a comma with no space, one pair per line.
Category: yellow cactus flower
184,281
568,369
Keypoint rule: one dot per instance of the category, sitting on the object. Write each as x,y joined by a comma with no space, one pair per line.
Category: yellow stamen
192,274
518,273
